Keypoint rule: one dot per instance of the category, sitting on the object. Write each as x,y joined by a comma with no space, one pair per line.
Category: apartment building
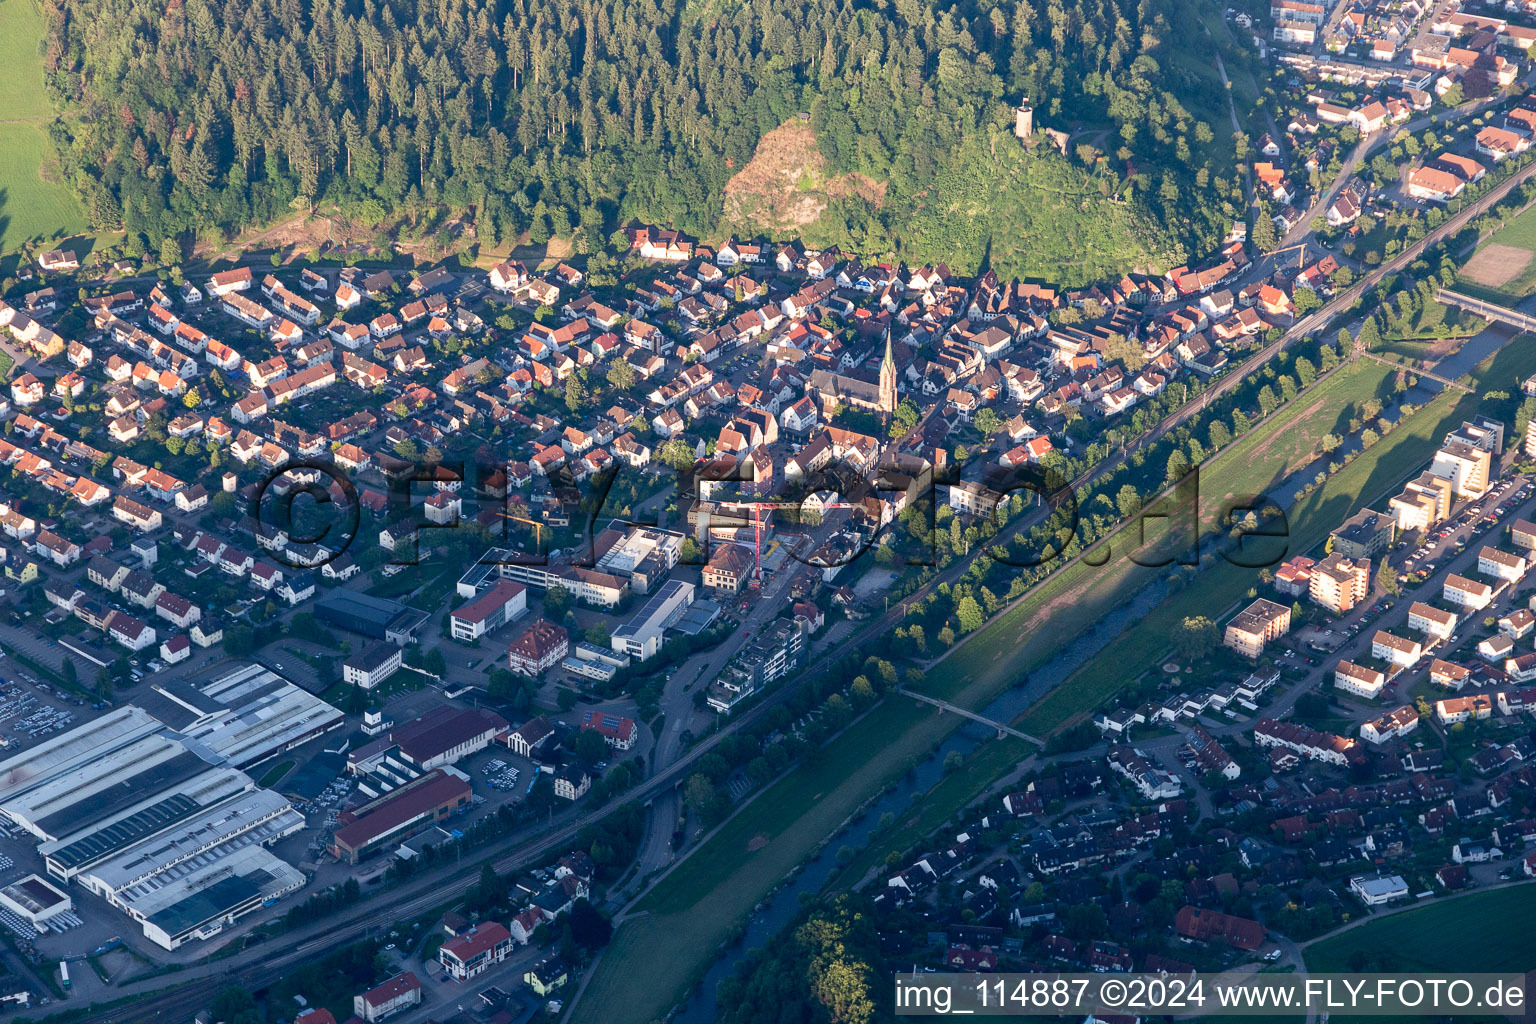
1366,534
1425,501
1465,466
1255,626
1469,595
1500,565
1360,680
1396,650
1339,583
1431,621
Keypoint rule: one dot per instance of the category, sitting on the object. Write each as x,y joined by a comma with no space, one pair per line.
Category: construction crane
757,523
1301,258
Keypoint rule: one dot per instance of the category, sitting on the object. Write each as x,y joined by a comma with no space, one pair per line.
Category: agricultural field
33,204
1485,931
1504,265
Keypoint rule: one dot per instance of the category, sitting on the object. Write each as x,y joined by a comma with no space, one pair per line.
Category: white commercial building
1373,892
642,636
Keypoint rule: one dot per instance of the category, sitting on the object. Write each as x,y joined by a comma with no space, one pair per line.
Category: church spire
888,379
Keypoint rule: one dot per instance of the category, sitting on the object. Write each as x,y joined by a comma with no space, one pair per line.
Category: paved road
281,955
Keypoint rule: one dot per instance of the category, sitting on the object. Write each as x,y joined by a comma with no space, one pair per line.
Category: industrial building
247,715
440,737
149,808
35,900
640,554
395,815
375,617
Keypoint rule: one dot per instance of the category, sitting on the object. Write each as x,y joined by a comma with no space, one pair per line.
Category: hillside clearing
33,204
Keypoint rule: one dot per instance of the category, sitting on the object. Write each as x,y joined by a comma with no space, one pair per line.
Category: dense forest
569,118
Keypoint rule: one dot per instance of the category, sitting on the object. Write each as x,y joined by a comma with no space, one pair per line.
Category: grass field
1363,481
30,206
1486,931
276,774
1484,274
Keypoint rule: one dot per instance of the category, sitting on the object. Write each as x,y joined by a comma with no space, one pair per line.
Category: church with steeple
881,396
888,381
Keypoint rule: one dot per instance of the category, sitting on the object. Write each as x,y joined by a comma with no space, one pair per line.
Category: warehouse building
257,817
245,716
151,811
38,764
445,734
210,897
374,617
392,817
35,900
157,816
118,779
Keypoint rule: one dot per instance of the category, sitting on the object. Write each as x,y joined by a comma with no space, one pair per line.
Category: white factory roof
254,818
262,714
76,798
191,893
159,810
58,754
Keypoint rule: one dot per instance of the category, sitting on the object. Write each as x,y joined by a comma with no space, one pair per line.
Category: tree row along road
278,956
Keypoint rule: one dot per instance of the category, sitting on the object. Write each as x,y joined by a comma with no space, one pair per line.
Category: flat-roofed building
1465,466
35,900
204,901
1255,626
57,754
1364,535
642,555
1339,583
1375,891
1425,501
254,817
248,715
641,637
87,792
376,617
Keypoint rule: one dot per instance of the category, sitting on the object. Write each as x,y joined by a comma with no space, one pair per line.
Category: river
701,1006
